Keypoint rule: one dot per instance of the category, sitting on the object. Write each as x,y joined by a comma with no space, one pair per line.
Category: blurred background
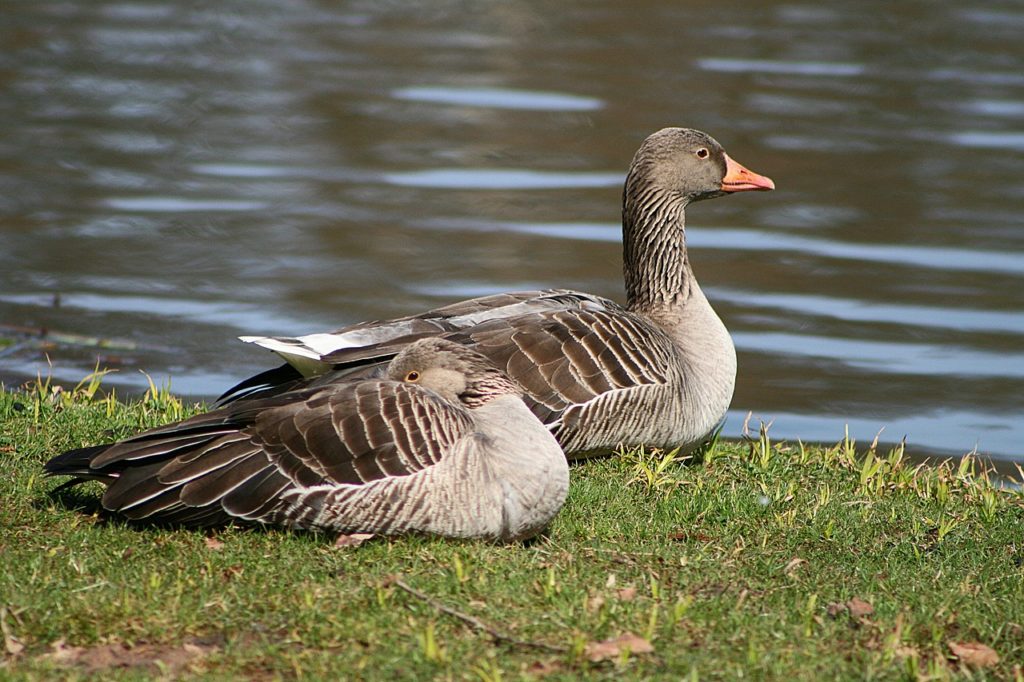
175,174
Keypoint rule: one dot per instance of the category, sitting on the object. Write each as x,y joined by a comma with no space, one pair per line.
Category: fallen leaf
121,656
595,603
543,668
213,544
353,540
63,653
12,645
906,652
793,565
627,593
193,650
835,608
613,648
859,608
232,572
974,654
610,582
683,536
390,579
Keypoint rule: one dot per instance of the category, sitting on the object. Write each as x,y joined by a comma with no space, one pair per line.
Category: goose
658,371
441,444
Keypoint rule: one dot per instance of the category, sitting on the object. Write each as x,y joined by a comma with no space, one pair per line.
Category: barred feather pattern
506,480
658,371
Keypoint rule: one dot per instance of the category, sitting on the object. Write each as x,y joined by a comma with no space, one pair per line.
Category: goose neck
656,268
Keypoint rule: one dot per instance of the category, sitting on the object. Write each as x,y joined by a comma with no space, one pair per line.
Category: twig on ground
475,622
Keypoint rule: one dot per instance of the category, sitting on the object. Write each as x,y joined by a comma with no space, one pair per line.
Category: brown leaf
595,603
627,593
63,653
613,648
859,608
683,536
232,572
120,656
353,540
12,645
835,608
974,654
906,652
213,544
543,668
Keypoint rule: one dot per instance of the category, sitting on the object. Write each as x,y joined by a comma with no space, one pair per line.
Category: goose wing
238,461
360,348
378,339
563,347
550,318
571,356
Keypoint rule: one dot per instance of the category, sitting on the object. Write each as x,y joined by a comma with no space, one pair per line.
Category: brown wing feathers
571,356
240,461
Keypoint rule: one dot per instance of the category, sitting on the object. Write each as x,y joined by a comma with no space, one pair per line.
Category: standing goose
658,371
443,445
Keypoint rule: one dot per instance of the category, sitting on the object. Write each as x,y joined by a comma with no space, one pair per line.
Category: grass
764,560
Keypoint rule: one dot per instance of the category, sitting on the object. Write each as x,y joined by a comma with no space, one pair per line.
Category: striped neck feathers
655,265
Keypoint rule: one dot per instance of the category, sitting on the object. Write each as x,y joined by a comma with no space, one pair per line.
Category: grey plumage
442,444
659,371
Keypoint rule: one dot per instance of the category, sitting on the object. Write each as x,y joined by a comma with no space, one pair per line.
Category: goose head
672,168
683,165
455,372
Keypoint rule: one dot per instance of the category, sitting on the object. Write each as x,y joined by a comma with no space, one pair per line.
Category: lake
177,174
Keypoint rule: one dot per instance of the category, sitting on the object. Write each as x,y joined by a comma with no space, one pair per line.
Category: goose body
442,444
657,371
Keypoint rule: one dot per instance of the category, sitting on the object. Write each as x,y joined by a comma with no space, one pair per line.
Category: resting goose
443,444
658,371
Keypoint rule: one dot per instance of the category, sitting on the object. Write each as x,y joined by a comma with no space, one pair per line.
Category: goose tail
78,463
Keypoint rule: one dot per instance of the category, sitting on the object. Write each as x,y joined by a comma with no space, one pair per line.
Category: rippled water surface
176,174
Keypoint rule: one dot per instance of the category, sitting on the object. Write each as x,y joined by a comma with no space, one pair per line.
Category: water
174,175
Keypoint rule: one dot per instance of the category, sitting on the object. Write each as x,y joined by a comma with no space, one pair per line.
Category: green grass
748,564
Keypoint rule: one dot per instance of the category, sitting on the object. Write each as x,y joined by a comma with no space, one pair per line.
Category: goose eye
412,376
702,153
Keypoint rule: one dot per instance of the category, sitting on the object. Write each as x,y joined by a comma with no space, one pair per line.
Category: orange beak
739,179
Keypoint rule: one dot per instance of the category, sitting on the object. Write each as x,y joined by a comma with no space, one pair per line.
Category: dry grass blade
475,622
